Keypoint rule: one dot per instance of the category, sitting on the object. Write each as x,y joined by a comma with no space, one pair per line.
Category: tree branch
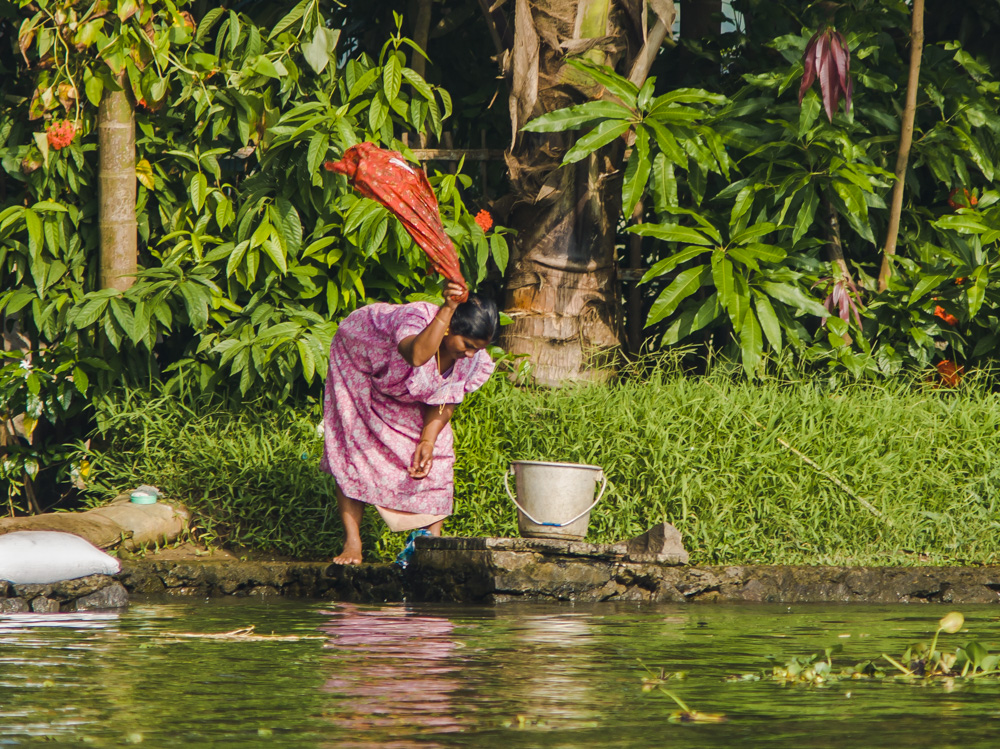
905,141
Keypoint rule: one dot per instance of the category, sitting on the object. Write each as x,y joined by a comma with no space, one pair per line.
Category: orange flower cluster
950,373
948,318
60,134
485,220
966,200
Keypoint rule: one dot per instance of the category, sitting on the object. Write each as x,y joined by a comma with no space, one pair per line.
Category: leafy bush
704,453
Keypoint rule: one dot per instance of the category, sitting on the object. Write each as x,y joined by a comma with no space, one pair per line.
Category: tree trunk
562,289
117,191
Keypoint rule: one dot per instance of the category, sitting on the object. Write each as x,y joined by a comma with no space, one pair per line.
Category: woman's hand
423,459
454,295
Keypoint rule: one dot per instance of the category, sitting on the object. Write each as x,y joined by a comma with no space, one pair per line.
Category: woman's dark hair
476,318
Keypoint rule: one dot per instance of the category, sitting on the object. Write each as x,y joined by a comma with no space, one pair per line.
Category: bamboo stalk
905,140
117,191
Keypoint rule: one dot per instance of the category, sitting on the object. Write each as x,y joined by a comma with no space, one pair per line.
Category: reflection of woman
396,374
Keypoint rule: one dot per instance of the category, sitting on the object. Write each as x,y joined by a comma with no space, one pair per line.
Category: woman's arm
419,349
435,418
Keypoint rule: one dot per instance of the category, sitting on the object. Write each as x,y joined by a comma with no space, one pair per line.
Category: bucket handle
506,484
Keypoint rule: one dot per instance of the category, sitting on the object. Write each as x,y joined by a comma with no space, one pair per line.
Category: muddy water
504,676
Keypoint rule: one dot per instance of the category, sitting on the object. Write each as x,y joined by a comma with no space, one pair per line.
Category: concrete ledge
492,570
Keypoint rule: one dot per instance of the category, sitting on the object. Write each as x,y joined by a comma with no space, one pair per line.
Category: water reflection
394,672
554,657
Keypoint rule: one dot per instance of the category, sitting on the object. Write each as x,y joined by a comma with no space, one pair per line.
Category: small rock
13,605
113,596
43,605
661,540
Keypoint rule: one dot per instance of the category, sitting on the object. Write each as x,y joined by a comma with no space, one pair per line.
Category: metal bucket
554,500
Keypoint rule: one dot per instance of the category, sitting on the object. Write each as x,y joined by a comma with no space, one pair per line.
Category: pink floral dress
373,415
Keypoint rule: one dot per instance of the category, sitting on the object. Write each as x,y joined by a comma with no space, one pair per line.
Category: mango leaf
286,22
500,251
793,296
599,137
977,291
925,284
624,89
754,232
197,190
751,344
691,321
684,285
668,263
636,172
671,233
286,219
768,321
273,250
571,118
722,276
392,78
742,204
807,214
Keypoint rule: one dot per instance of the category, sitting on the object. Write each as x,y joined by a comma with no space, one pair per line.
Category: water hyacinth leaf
684,285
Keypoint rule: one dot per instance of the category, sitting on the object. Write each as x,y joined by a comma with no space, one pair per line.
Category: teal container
143,498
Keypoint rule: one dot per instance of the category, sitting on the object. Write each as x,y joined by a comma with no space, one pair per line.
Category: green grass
700,452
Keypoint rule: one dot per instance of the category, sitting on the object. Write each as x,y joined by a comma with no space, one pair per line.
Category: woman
396,374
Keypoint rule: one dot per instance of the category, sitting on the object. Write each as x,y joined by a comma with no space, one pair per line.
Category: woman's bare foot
351,511
351,553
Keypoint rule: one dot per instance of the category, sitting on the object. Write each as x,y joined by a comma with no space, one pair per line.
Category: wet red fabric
386,177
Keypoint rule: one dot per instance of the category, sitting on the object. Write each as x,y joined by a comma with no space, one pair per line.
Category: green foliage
719,176
688,450
249,251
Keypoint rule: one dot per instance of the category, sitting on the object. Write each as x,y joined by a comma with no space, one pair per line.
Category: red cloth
386,177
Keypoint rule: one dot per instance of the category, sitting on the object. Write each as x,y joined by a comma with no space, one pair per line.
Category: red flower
966,200
828,58
939,312
485,220
950,373
960,280
60,134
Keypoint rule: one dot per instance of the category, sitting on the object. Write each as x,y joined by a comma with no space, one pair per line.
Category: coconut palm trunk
117,191
562,289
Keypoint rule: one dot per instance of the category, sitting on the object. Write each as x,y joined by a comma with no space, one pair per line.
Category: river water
507,676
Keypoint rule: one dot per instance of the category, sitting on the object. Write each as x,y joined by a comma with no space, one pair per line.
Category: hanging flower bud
828,58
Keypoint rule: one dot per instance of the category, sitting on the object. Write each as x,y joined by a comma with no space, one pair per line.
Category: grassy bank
896,473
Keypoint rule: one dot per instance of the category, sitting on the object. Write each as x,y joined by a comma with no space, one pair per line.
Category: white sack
38,557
